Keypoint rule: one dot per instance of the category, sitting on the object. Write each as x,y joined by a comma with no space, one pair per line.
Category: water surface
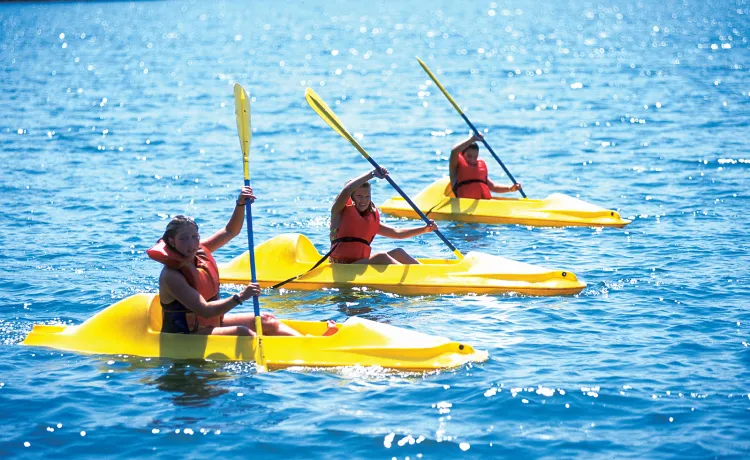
120,115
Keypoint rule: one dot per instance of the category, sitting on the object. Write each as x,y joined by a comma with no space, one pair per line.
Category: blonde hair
367,186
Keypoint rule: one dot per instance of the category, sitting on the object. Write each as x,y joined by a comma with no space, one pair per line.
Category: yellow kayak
557,210
132,325
291,254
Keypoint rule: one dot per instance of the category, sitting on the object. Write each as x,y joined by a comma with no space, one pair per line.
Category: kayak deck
557,210
131,327
291,254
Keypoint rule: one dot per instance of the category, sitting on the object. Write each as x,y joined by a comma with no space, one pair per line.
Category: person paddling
355,221
189,281
468,172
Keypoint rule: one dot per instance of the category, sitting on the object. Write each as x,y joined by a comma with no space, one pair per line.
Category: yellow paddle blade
325,112
242,112
434,78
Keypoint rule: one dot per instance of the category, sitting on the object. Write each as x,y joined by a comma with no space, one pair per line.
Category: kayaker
355,221
468,172
189,281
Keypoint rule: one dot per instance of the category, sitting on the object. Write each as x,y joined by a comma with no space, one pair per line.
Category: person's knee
242,330
400,256
269,322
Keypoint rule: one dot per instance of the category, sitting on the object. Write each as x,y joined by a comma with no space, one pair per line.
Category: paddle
468,122
329,117
242,111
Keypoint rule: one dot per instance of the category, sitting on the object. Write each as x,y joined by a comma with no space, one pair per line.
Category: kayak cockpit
131,327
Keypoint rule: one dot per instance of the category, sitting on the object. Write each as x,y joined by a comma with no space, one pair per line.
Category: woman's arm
343,197
234,226
501,188
403,233
458,148
178,287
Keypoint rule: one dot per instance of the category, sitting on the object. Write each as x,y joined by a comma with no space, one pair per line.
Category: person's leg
402,257
271,325
225,330
380,258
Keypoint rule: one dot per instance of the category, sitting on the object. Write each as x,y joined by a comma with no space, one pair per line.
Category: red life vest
355,233
202,274
471,181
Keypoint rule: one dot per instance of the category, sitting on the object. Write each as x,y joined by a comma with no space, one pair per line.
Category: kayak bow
132,325
289,254
557,210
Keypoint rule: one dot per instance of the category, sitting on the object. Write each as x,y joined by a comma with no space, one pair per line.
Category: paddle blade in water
242,112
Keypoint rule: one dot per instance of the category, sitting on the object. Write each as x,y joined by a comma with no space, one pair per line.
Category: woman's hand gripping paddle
329,117
242,111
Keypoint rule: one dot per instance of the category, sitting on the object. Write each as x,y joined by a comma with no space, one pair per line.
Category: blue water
119,115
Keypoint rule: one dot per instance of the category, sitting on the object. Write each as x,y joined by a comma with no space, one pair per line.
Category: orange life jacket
351,240
202,275
471,181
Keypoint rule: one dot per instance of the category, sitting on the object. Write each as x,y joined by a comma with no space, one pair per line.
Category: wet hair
174,226
473,145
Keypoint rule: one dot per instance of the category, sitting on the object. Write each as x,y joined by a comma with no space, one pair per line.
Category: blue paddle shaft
484,141
251,248
411,203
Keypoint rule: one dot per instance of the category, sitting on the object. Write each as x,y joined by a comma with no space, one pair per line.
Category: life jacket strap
350,239
467,182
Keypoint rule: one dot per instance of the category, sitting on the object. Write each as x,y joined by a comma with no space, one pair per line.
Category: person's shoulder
169,274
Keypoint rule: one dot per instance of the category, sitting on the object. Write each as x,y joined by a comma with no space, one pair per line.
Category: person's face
187,241
471,156
361,199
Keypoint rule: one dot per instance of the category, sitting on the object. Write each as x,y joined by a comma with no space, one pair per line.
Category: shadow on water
349,302
192,384
366,303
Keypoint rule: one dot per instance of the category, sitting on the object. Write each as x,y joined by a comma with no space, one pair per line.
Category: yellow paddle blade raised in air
325,112
434,78
242,111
